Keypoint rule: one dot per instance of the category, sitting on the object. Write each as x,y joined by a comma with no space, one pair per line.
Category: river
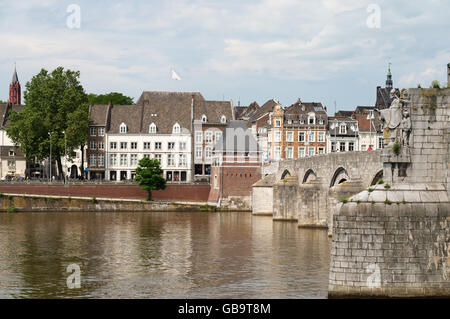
161,255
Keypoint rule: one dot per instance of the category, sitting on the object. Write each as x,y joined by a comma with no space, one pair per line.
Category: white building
342,134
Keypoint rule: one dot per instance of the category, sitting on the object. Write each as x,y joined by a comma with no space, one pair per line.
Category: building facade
300,130
342,135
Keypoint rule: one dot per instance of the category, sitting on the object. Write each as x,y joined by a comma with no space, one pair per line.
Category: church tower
15,93
389,84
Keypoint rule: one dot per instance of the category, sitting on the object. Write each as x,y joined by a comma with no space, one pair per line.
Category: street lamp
65,156
50,133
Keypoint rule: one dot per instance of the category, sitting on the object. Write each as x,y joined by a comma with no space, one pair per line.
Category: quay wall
173,192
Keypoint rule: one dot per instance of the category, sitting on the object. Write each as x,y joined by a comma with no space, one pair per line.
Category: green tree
55,111
149,176
113,97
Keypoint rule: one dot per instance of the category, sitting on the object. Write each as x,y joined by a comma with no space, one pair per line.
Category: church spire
389,83
15,93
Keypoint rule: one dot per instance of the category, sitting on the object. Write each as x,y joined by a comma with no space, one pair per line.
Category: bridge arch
285,174
339,176
309,176
376,178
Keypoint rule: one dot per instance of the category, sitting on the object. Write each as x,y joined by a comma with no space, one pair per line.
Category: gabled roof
4,113
128,114
265,108
213,111
98,114
245,112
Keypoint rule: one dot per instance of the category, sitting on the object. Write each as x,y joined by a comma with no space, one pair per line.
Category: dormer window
123,128
176,128
223,119
204,118
311,119
152,128
343,129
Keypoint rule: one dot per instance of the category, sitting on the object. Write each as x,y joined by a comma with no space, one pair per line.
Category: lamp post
65,157
50,168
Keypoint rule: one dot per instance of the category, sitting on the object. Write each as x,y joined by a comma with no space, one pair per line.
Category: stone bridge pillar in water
393,239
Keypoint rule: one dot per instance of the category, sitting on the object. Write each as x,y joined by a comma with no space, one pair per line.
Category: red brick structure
185,192
15,93
236,167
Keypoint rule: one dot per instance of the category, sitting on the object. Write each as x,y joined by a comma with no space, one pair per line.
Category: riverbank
37,203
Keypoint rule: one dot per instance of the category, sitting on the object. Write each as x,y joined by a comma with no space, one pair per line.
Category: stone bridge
307,190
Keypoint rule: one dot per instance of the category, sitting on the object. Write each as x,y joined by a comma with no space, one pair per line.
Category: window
311,151
12,163
133,159
113,145
208,137
92,160
152,128
204,118
158,145
289,136
277,123
93,145
133,145
289,121
147,156
223,119
321,121
170,160
381,143
333,146
198,137
198,169
123,128
147,145
311,137
311,119
101,131
198,152
351,146
343,129
277,154
171,145
12,153
101,145
218,135
123,145
341,146
208,152
182,146
321,137
278,136
112,160
301,152
93,131
301,136
101,160
176,129
123,159
158,157
290,152
182,160
321,150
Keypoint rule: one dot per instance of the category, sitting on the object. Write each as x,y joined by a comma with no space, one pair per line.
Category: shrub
380,181
387,186
396,148
370,190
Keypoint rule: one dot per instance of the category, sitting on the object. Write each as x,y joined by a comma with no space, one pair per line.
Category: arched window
223,119
152,128
204,118
176,128
123,128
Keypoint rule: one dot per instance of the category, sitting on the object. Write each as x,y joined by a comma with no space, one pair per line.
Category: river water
161,255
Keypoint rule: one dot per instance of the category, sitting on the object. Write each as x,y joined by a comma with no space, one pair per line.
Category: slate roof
213,110
4,112
98,114
336,121
245,112
300,110
265,108
129,114
237,137
383,98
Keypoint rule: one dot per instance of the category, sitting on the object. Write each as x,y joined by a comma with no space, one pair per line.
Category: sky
319,51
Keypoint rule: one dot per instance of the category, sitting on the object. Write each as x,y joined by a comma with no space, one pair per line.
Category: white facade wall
10,166
367,139
140,139
340,140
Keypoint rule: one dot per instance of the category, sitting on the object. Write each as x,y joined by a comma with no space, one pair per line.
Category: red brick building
15,93
236,166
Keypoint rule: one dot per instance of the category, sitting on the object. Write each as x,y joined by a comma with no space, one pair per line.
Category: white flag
175,76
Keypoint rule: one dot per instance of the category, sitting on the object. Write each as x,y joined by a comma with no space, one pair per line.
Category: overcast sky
323,51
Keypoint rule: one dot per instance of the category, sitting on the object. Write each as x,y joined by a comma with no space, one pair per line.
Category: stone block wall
392,243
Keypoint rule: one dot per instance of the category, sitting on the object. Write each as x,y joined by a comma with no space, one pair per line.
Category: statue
392,117
405,127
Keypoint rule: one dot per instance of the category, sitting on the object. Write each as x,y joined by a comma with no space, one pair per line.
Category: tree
113,97
55,103
149,176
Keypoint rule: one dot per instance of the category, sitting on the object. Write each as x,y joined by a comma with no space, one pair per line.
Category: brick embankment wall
187,193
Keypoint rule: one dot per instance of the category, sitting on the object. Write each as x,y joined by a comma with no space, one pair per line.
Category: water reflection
161,255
